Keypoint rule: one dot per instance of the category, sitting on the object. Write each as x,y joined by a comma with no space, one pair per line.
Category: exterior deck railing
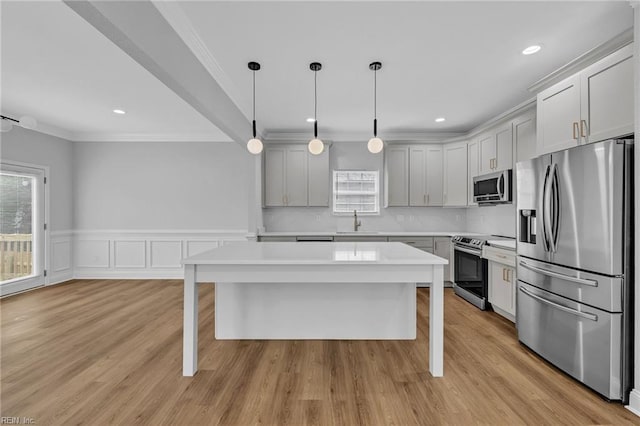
16,256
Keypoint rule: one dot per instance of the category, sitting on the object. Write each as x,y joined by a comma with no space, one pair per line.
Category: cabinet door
319,179
455,174
502,287
274,176
472,168
442,248
607,97
434,172
417,176
504,148
397,176
296,176
558,112
524,136
486,152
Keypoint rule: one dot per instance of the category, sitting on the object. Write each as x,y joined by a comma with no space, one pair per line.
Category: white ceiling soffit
57,68
459,60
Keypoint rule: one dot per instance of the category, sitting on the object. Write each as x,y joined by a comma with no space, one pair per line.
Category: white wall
164,185
27,146
354,155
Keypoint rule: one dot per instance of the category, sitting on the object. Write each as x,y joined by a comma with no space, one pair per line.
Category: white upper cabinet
396,176
295,178
274,176
558,116
418,176
590,106
455,174
319,179
434,175
606,103
524,136
425,175
472,169
296,194
495,149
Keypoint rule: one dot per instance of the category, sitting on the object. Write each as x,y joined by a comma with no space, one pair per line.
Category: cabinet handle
424,198
503,278
435,246
428,199
583,128
445,198
575,130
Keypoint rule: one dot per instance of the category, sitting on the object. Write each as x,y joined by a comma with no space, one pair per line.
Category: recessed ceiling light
119,111
310,120
440,119
531,50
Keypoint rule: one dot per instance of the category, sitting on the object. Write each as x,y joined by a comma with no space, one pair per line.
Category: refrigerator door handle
555,207
589,316
546,211
564,277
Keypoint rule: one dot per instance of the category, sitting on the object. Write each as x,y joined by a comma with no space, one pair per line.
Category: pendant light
375,144
316,146
254,145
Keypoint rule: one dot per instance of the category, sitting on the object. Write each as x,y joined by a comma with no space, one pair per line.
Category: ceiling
62,71
459,60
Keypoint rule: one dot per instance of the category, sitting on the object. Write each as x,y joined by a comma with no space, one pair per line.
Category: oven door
470,271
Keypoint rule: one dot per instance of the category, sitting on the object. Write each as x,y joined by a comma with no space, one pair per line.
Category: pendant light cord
254,105
315,104
375,94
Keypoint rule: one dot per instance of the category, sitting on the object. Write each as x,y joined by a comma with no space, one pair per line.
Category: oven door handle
587,315
470,251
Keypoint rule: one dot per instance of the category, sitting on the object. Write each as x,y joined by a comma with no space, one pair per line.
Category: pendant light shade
316,146
254,145
375,144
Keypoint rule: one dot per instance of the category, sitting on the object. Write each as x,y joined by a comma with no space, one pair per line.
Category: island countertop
319,253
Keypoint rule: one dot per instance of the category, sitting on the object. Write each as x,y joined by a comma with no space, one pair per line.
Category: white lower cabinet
502,281
442,248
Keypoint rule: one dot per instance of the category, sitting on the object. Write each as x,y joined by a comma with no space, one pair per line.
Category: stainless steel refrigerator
575,262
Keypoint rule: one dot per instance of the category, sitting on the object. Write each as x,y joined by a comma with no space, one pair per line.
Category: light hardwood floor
109,352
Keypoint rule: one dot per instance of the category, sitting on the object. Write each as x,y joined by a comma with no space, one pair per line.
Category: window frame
335,193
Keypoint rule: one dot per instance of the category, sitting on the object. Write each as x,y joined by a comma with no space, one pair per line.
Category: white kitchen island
316,290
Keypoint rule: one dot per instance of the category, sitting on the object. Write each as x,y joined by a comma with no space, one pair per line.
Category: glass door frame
40,239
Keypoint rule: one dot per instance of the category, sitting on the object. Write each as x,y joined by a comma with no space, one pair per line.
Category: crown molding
501,118
182,25
584,60
271,136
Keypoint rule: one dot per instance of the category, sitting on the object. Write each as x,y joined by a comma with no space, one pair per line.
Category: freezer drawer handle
582,281
592,317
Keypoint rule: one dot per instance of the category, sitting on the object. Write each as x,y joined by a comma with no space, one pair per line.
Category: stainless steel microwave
493,188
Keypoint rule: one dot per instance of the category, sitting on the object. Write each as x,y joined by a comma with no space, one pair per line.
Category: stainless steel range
470,269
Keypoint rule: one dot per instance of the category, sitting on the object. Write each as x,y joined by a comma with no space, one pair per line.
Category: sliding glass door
21,228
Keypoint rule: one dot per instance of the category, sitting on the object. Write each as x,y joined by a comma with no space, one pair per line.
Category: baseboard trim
129,275
61,277
634,402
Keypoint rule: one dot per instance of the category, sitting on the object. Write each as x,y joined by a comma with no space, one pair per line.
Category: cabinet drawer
506,257
277,239
420,242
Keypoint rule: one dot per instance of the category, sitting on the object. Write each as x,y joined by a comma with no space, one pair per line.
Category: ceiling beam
141,31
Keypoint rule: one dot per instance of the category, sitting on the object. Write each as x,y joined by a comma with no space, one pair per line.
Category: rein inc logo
6,420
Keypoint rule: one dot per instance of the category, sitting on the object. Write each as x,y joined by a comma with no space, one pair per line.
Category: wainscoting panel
61,255
92,253
165,254
132,254
197,247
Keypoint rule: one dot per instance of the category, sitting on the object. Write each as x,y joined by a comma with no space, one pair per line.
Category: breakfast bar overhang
315,290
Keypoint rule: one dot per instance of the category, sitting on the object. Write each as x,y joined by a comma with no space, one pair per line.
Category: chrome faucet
356,223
